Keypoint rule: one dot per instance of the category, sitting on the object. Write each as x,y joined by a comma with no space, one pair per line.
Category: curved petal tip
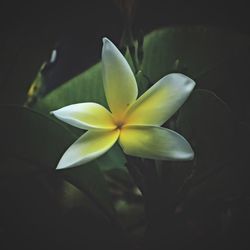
105,39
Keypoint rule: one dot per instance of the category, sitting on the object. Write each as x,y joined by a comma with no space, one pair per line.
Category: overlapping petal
161,101
86,116
88,147
119,82
154,143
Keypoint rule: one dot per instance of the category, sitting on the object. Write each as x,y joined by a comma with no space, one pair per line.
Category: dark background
29,31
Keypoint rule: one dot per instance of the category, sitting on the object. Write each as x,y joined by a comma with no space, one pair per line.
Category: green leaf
199,52
40,208
207,123
113,159
33,137
216,59
38,142
90,180
192,50
86,87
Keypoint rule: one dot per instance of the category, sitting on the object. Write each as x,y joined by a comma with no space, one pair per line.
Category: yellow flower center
119,123
119,119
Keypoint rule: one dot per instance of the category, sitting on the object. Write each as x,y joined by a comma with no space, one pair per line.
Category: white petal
119,81
86,116
161,101
154,143
88,147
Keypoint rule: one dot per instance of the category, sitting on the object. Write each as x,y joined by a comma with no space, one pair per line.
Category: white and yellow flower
134,123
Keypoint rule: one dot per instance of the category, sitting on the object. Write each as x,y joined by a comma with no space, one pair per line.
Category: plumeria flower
134,123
